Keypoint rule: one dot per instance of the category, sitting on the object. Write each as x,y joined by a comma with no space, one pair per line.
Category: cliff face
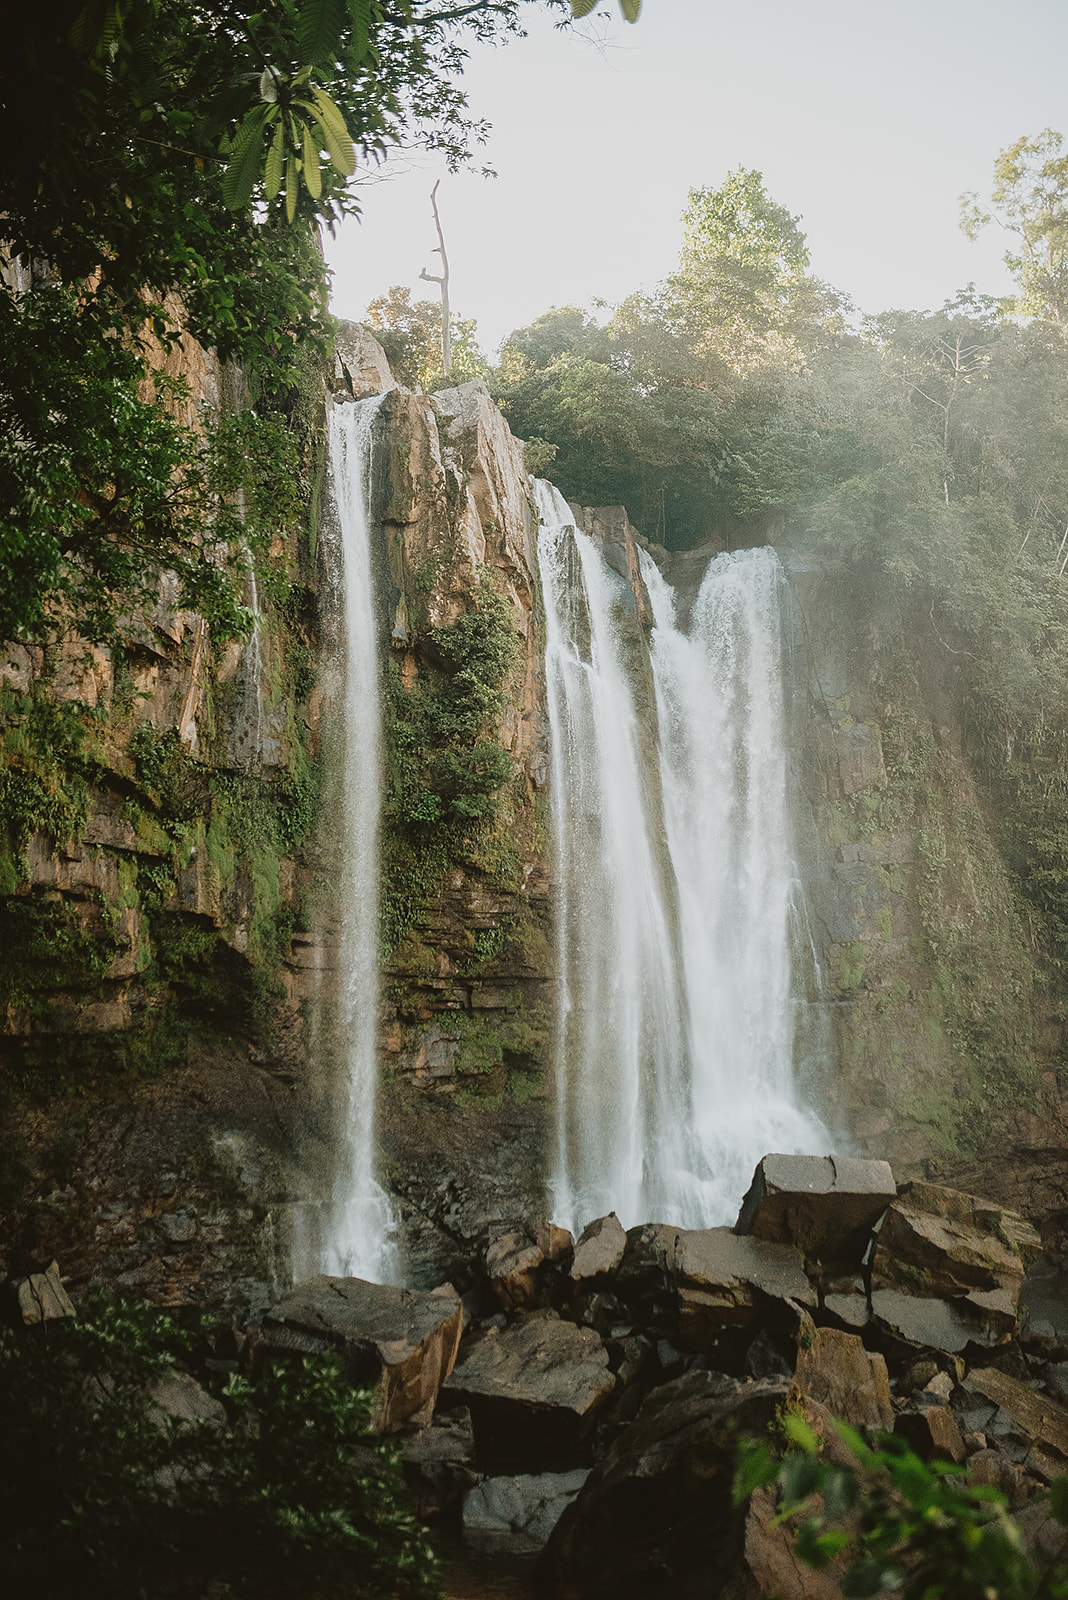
158,796
948,1024
465,1027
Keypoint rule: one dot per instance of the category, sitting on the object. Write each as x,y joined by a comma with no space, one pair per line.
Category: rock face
834,1369
521,1512
941,1242
398,1342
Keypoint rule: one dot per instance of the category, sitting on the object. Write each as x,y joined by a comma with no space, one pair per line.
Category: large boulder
940,1242
723,1280
826,1205
399,1343
519,1262
519,1513
39,1297
533,1390
655,1517
599,1251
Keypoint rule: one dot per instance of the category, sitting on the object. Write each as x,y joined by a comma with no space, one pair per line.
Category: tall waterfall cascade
357,1236
679,910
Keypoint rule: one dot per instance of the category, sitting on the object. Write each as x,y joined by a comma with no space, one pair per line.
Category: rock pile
601,1384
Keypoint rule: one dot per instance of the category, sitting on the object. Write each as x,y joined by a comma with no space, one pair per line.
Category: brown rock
534,1389
826,1205
401,1343
835,1369
655,1518
722,1279
599,1251
932,1432
41,1297
937,1241
514,1261
1042,1420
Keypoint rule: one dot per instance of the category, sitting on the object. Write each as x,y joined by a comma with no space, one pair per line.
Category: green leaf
799,1476
319,25
336,136
275,162
756,1467
360,12
798,1432
268,85
312,175
582,8
240,176
292,183
631,9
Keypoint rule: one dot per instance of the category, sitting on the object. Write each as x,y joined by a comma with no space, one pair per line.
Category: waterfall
676,889
357,1239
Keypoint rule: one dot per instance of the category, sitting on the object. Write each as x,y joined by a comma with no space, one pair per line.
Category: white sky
867,119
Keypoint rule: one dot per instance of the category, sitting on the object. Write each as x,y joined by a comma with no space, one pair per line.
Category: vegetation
103,1491
445,770
886,1522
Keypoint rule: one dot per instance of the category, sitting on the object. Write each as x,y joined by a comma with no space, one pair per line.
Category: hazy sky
868,120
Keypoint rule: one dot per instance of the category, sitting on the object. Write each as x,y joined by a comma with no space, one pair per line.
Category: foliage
105,1493
410,334
1030,199
127,219
895,1524
445,770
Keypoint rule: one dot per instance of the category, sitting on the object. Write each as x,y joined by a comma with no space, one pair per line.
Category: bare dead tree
446,332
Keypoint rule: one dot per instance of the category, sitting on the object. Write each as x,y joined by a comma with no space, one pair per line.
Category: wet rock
982,1319
647,1278
401,1343
722,1280
937,1241
825,1205
655,1517
519,1513
845,1301
599,1251
834,1368
533,1390
517,1259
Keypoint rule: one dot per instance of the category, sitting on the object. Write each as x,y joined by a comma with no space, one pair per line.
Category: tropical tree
1030,200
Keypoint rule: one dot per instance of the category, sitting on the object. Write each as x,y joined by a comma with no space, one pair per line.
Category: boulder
1039,1423
40,1297
516,1261
533,1390
845,1301
931,1432
834,1368
768,1563
722,1280
519,1513
939,1242
655,1517
399,1343
599,1251
951,1325
825,1205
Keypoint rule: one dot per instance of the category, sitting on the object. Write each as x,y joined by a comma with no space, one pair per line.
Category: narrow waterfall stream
676,890
357,1236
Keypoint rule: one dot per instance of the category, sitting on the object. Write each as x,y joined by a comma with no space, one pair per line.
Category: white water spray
675,891
357,1237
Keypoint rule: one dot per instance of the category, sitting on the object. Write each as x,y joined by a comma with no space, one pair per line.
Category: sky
867,120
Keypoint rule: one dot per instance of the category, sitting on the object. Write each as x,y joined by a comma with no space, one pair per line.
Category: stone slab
825,1205
400,1343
